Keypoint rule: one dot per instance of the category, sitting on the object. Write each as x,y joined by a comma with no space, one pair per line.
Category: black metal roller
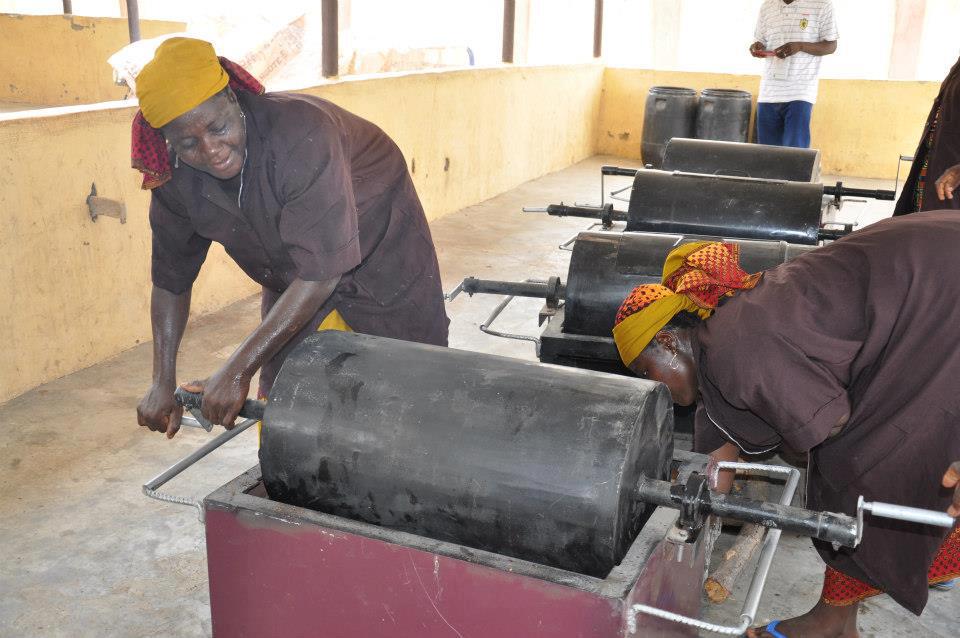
605,267
533,461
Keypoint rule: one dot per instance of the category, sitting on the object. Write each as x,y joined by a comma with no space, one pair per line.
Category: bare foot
823,621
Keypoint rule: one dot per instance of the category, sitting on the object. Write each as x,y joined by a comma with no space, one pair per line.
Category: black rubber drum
529,460
605,267
758,161
687,203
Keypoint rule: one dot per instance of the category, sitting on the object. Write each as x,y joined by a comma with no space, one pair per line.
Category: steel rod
912,514
472,285
509,29
825,526
618,170
597,28
330,38
67,7
588,212
160,479
870,193
133,20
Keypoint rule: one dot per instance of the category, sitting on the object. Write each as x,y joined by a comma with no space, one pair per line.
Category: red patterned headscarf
695,277
148,148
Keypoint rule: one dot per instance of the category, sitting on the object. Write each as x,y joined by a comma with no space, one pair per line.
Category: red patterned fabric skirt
841,590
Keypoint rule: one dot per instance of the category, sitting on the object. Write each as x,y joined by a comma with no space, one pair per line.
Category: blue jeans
784,123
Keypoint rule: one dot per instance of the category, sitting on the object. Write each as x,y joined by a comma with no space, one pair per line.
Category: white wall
713,36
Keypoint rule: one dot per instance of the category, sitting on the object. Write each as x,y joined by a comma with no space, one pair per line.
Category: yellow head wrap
695,277
183,74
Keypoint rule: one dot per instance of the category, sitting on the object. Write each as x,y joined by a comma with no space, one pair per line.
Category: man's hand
951,478
158,411
788,49
755,49
947,183
223,395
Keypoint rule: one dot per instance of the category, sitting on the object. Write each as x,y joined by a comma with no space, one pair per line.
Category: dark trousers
784,123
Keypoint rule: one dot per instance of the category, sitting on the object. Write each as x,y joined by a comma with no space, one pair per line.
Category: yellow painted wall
59,60
860,126
76,292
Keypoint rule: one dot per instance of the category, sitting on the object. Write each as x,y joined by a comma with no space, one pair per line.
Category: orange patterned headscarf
695,277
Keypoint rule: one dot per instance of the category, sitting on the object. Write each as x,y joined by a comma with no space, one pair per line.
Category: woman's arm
225,391
168,319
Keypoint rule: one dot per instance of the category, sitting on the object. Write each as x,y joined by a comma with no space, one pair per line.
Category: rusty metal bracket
107,207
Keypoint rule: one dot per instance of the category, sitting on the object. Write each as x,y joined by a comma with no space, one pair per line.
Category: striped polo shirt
796,77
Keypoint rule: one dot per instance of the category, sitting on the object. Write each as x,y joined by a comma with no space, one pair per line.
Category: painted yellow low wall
59,60
860,126
76,292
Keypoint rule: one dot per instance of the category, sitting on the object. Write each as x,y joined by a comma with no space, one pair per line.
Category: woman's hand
223,395
158,410
948,182
951,478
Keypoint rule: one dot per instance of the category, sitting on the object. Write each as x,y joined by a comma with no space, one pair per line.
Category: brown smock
323,193
867,326
939,147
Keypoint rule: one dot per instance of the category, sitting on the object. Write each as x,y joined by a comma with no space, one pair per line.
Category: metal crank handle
152,487
902,513
695,503
193,401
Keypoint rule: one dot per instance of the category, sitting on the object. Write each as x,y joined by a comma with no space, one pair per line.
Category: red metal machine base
278,570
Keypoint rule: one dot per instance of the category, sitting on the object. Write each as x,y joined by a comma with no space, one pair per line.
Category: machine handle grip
606,213
618,170
871,193
252,409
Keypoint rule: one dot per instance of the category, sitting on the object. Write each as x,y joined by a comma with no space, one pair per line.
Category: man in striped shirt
792,35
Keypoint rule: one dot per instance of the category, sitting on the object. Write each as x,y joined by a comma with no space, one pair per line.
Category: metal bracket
752,600
151,488
98,206
690,496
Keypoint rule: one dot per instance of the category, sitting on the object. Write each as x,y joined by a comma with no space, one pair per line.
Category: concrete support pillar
908,30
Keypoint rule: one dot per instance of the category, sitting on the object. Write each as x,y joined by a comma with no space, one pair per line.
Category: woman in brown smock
937,152
313,203
848,352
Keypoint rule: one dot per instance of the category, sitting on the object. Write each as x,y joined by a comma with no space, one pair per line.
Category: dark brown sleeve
706,436
178,251
318,222
772,392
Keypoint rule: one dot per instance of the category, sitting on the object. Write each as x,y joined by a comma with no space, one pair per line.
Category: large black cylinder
532,461
605,267
670,112
691,204
742,160
724,114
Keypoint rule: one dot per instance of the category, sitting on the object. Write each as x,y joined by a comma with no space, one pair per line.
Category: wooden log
720,583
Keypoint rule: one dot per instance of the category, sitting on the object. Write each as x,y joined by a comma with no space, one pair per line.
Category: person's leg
835,614
823,621
770,123
796,124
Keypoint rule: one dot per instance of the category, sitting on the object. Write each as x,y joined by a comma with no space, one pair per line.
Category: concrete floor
84,553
